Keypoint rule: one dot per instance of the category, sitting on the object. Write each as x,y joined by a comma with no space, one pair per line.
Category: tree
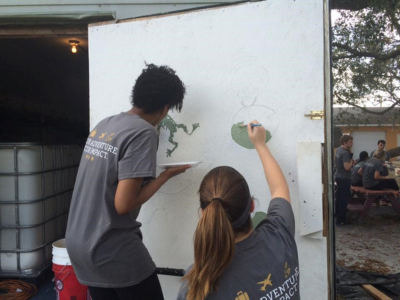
366,56
366,61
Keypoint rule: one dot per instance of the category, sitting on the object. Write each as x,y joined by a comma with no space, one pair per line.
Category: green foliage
366,56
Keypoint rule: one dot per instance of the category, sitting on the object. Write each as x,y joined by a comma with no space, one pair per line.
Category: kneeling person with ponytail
231,260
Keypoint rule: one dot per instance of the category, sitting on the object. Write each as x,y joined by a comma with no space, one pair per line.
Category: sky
334,16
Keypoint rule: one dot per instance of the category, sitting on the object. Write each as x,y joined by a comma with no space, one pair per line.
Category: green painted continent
240,136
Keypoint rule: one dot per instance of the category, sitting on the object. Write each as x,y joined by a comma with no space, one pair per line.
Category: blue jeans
342,198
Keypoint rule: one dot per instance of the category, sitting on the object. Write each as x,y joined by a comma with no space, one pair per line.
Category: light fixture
74,44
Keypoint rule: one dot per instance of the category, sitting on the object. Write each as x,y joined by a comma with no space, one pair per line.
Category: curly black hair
156,87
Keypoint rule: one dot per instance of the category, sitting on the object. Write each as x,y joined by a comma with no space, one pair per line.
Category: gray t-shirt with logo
265,265
106,248
342,155
369,172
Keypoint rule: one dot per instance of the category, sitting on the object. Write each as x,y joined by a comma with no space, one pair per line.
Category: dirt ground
372,245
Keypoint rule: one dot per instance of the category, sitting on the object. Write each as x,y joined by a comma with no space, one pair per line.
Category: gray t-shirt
265,265
105,248
342,155
355,177
369,172
385,171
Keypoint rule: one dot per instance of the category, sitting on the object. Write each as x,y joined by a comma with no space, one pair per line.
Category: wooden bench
366,198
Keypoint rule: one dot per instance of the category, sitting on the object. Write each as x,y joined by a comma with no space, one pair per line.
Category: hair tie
218,199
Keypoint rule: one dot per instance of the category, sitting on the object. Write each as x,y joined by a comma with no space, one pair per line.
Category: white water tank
36,183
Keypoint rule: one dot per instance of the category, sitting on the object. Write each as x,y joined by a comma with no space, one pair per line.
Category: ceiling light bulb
74,44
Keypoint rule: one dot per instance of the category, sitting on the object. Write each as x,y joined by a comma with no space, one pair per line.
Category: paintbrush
252,125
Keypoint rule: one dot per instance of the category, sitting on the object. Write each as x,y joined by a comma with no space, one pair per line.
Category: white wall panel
259,60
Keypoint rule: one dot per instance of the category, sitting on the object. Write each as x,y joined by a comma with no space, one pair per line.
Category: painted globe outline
246,81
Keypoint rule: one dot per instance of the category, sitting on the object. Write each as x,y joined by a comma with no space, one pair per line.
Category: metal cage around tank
36,184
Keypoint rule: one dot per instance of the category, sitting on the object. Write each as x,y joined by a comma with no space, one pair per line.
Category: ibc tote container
36,183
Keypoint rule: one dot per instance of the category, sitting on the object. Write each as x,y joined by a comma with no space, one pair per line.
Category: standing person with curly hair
116,177
231,260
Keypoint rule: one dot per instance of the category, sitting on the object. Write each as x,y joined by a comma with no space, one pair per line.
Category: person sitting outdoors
231,260
356,171
371,174
381,146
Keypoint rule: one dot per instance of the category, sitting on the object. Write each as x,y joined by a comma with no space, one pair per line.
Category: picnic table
366,198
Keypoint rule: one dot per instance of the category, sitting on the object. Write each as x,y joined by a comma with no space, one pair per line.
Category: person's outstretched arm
273,173
130,194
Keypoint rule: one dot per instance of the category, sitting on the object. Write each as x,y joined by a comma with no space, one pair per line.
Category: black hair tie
217,199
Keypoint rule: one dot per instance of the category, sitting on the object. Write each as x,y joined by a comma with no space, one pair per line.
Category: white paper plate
178,164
